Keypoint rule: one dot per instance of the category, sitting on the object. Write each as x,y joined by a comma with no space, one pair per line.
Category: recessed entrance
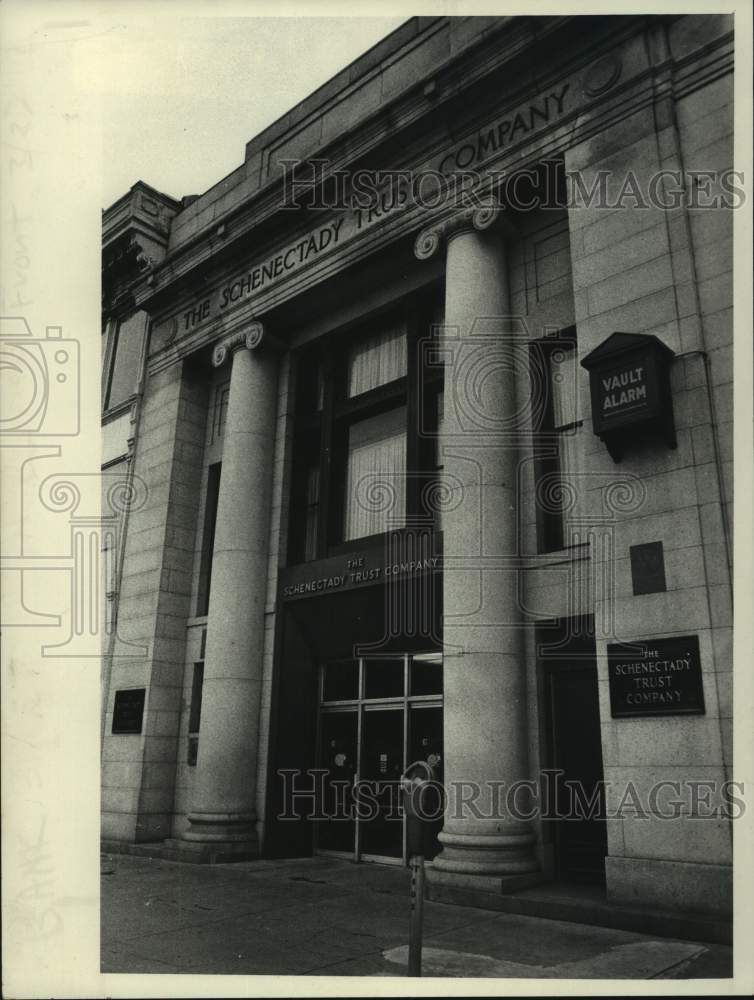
376,716
581,842
574,756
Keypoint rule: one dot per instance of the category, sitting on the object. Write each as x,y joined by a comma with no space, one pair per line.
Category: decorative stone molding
481,218
124,261
602,75
249,339
144,261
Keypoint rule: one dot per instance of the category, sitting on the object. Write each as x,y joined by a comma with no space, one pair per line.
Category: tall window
312,512
376,474
358,455
375,464
377,360
217,411
195,708
369,394
220,411
434,479
305,533
555,420
208,538
122,348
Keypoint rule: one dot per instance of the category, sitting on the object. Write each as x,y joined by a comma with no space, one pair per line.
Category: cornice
124,262
135,232
232,227
569,130
591,117
142,208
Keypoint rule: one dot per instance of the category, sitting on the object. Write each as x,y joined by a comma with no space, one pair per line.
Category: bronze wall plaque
128,711
655,677
648,568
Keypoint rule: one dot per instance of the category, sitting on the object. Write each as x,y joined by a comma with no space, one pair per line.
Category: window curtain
377,360
376,475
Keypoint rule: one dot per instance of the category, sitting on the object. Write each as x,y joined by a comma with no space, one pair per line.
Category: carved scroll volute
249,339
430,238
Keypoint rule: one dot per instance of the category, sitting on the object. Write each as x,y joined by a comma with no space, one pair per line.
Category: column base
210,853
498,884
228,834
505,855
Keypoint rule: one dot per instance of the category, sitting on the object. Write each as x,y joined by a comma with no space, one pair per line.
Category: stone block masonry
154,604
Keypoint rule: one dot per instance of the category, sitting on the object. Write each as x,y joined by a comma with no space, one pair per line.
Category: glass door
425,743
339,744
380,816
377,715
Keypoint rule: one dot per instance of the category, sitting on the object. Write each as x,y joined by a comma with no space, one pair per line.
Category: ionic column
484,666
223,808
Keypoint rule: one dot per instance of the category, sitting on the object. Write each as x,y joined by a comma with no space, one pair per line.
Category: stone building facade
372,522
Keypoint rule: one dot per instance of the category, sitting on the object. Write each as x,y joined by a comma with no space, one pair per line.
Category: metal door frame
360,705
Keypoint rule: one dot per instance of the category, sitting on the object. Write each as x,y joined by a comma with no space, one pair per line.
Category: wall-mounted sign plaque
389,561
647,568
655,677
128,711
629,381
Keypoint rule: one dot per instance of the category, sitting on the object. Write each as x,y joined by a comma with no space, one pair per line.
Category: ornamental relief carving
250,338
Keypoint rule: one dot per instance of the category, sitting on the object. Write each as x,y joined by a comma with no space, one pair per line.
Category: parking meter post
414,782
417,916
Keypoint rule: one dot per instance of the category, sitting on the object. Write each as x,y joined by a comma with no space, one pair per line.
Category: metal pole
416,917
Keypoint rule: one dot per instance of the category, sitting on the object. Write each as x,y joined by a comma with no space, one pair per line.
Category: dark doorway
353,705
382,762
576,794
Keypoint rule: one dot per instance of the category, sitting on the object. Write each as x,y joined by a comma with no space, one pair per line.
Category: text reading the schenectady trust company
298,253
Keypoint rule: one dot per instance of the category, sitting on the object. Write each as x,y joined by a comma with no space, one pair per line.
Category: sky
182,95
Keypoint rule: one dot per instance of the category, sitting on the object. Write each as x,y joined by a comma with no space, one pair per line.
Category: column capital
248,339
479,218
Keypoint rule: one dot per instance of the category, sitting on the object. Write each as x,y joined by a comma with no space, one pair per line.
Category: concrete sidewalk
321,916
